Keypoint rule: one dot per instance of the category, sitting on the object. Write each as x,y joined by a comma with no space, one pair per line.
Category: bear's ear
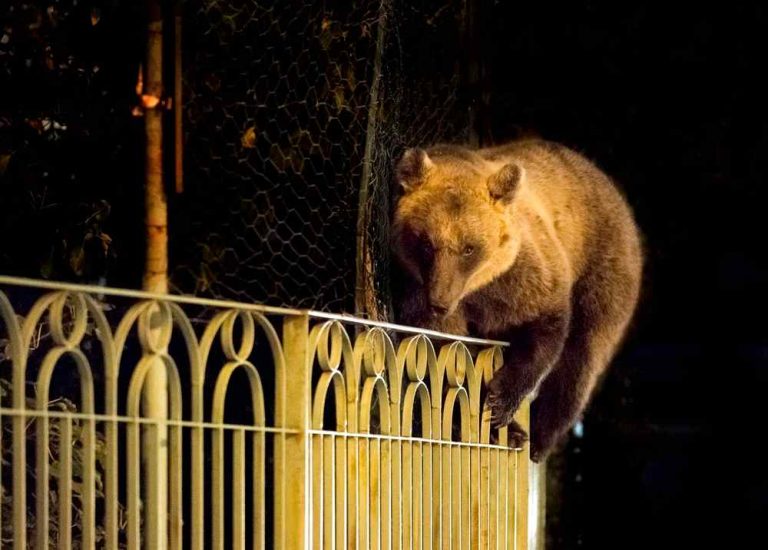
503,185
411,170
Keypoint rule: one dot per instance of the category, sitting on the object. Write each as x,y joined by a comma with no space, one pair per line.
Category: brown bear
528,242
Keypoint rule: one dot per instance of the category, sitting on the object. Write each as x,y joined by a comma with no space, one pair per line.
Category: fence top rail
229,304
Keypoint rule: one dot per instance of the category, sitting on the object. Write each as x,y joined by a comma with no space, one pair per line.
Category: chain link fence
294,112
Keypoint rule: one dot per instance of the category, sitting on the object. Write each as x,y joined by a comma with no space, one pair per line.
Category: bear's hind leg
564,394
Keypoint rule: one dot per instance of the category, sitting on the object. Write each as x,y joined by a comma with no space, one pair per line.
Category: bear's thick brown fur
530,243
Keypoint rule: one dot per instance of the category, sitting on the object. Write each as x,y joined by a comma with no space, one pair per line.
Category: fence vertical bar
238,489
19,439
65,485
522,494
292,518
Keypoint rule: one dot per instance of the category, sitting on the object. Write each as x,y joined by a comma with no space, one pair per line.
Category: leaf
140,81
46,269
106,241
77,260
248,140
5,353
339,97
5,159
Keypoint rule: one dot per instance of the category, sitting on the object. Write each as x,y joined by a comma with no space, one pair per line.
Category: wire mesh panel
276,112
294,112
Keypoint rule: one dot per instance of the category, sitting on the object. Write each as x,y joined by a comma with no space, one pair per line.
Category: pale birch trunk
155,396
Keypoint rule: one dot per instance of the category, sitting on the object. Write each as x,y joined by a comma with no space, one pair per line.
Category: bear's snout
438,309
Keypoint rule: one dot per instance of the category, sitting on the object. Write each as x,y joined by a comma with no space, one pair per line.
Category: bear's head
455,227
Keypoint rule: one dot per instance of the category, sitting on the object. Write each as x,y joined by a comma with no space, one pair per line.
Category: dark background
670,101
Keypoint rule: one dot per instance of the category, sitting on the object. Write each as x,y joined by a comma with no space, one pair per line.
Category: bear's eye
426,248
468,250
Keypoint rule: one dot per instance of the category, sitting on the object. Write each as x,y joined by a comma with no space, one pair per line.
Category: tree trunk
155,391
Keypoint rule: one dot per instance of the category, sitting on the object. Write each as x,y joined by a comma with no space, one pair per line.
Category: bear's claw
502,416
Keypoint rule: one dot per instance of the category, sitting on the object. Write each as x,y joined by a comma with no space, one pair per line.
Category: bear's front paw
502,409
503,405
516,436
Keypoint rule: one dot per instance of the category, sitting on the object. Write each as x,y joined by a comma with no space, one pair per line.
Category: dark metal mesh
276,111
422,101
280,105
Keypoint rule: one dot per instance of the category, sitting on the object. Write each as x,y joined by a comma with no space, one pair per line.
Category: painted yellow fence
284,428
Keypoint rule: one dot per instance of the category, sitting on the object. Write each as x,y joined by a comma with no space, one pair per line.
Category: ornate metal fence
285,429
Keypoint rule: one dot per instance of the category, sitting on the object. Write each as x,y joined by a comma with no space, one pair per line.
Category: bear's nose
438,309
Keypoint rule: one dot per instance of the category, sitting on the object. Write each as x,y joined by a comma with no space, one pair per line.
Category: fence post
525,500
292,450
365,289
